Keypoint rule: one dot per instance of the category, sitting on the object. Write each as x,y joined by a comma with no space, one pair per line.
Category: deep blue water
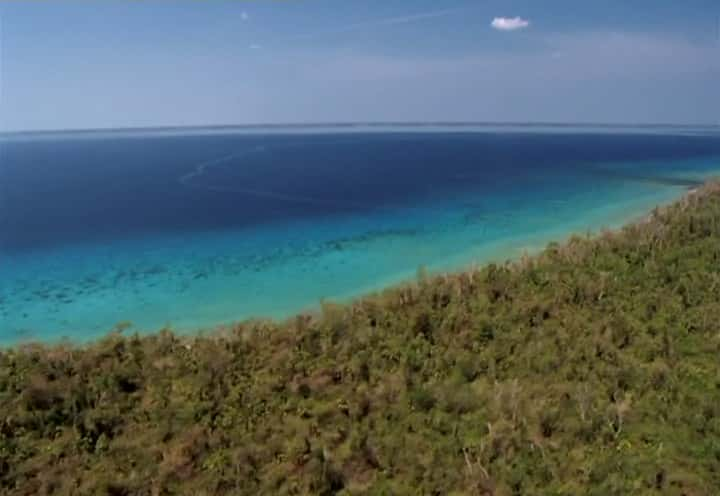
196,230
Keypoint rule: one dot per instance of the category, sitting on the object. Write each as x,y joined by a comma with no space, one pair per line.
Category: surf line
200,169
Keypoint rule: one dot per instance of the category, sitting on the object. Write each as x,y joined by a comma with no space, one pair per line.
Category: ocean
191,229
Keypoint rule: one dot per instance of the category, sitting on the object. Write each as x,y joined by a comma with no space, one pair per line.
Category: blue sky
99,64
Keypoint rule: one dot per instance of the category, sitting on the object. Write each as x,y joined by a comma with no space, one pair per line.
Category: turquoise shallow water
128,230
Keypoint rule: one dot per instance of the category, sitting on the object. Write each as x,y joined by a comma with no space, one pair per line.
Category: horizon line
348,124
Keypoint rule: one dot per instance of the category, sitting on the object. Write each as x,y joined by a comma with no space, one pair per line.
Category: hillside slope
592,368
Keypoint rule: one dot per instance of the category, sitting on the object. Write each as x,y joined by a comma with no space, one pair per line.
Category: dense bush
592,368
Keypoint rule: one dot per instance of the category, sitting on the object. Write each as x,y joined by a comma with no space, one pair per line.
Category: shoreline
500,251
492,253
518,244
642,215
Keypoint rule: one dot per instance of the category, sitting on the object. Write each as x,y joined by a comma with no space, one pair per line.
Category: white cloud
509,23
244,16
255,46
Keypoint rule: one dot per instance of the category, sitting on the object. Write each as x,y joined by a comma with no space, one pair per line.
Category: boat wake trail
189,180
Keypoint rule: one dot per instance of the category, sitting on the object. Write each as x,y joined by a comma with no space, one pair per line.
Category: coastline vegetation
591,368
